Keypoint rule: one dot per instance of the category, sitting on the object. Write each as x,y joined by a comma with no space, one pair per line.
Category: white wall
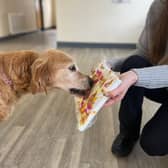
17,6
100,21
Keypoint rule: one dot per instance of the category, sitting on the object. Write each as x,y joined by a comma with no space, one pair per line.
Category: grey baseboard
17,35
96,45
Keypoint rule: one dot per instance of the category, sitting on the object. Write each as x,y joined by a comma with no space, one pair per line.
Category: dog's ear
18,66
41,74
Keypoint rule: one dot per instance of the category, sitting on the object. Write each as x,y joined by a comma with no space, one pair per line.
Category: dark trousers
154,136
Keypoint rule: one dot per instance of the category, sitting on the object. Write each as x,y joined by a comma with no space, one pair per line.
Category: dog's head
56,69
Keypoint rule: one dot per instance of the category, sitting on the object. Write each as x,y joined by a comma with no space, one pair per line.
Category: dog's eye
72,68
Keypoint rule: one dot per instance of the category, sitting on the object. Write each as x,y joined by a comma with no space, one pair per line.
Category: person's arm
152,77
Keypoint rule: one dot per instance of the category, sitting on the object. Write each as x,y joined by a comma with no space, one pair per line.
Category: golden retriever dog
24,72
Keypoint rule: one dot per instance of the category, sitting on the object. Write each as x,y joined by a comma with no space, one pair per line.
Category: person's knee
134,62
151,145
147,147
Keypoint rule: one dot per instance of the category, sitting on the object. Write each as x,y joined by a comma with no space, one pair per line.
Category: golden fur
33,72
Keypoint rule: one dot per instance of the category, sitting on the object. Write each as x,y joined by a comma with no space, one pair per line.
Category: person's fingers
115,92
119,98
109,103
114,100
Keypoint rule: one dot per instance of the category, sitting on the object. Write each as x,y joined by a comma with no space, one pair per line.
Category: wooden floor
42,132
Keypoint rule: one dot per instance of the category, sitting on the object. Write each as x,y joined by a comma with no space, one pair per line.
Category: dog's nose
91,82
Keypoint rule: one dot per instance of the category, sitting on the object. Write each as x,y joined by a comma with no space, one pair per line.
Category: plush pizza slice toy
87,108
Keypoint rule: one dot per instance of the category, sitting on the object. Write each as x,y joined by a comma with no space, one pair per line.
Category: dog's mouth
79,92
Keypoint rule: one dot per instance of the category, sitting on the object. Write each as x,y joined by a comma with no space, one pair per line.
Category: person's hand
128,79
